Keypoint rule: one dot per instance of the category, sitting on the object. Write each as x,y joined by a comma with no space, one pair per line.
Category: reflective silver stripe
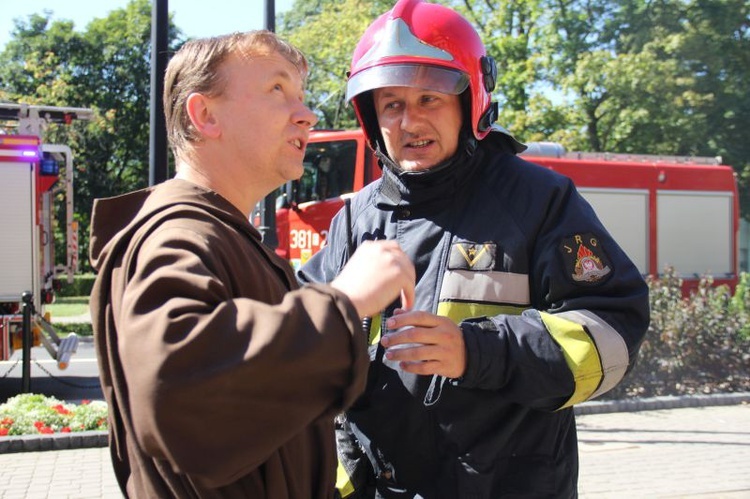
397,40
485,287
613,351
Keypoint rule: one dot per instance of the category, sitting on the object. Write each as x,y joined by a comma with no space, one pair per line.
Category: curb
57,441
89,439
666,402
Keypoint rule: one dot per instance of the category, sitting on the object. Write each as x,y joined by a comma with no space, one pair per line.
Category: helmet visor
433,78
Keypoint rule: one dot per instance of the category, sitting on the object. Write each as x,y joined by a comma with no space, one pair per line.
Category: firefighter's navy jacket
551,309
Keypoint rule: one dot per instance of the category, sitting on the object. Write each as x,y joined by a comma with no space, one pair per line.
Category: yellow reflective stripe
580,354
485,287
373,335
459,311
343,483
611,347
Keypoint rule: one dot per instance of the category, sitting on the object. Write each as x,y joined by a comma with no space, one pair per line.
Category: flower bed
32,414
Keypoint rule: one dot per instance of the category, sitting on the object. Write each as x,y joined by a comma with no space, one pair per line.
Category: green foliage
739,306
508,29
624,76
698,344
328,32
31,414
715,48
81,286
79,328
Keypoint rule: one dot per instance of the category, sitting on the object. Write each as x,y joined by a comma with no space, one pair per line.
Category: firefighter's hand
437,344
375,276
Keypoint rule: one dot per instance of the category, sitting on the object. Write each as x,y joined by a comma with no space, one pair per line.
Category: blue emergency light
49,166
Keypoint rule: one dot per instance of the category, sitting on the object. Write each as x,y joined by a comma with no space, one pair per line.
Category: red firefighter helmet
422,45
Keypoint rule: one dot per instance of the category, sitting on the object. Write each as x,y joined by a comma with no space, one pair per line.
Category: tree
511,32
663,77
708,43
715,48
508,30
328,31
625,95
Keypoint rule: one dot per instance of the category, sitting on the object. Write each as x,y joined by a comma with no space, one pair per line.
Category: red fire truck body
304,210
679,212
668,211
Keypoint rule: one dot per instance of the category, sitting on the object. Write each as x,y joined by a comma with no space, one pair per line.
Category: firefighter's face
420,128
264,124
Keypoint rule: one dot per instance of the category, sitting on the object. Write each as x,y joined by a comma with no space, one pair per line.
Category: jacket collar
428,189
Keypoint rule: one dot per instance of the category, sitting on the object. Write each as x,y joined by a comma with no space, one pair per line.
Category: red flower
60,409
3,432
42,428
65,429
6,422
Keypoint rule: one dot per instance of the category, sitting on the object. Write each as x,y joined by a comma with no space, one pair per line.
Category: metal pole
26,341
267,207
270,15
158,164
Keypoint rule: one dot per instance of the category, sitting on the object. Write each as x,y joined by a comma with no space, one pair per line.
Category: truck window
700,221
329,170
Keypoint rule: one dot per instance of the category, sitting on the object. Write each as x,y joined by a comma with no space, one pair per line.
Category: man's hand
375,276
440,350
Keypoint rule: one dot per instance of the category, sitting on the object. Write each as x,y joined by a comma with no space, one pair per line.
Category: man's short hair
196,67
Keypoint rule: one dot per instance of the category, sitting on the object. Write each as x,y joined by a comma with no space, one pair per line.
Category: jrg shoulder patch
585,260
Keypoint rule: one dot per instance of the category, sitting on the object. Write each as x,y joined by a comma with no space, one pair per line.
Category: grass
68,306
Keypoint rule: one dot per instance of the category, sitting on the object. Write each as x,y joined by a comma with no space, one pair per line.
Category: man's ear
201,115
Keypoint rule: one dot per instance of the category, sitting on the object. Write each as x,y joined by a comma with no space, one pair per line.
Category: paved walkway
695,452
701,452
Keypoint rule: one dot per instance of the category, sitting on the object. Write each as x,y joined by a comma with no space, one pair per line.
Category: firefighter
525,305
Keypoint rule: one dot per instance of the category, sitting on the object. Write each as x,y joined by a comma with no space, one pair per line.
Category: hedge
694,345
81,286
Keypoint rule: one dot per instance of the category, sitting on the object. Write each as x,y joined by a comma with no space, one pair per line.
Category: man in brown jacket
222,375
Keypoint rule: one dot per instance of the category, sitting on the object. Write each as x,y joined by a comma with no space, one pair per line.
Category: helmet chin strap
468,141
388,185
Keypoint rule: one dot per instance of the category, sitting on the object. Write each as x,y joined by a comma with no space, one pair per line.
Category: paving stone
698,448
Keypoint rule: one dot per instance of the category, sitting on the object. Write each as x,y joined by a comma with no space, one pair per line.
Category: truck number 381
307,239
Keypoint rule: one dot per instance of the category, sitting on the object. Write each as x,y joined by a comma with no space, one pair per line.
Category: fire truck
665,211
33,174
